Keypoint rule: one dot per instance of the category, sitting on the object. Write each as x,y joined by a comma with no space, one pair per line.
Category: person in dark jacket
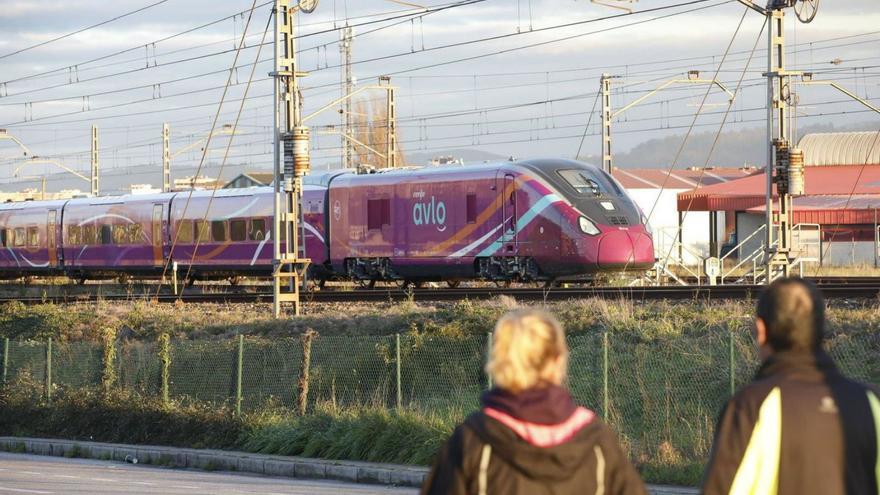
530,437
800,427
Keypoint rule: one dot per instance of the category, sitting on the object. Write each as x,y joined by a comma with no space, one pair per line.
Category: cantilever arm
844,91
40,161
757,8
343,98
353,140
669,83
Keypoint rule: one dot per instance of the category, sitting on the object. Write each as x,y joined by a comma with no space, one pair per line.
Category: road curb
219,460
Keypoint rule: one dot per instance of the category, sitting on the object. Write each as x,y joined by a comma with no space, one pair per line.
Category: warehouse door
158,258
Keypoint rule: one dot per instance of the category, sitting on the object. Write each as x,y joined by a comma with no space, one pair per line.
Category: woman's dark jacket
535,442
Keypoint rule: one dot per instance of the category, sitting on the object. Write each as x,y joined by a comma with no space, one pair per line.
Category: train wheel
410,284
234,281
551,284
453,284
81,280
366,284
504,284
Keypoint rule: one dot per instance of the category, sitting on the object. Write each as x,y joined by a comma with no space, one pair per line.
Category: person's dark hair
794,312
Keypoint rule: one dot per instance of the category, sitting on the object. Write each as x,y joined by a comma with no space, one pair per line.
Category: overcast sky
489,94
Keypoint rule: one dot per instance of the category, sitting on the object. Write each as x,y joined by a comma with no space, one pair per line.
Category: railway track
845,290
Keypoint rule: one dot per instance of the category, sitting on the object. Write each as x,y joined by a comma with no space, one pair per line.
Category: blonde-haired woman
530,437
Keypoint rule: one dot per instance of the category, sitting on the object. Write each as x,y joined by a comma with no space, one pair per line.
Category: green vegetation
168,374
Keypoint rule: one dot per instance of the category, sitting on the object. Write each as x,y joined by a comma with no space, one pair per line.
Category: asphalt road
39,475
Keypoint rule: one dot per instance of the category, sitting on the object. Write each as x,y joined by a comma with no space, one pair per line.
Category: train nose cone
615,249
625,249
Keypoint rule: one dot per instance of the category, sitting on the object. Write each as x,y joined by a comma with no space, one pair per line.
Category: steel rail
855,290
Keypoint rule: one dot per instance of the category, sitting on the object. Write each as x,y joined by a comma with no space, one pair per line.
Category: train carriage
29,238
529,220
115,235
228,233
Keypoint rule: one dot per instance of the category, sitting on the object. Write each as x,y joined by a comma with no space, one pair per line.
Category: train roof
20,205
541,165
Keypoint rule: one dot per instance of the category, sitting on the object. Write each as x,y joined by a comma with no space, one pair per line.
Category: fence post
49,369
605,375
489,356
397,365
5,358
240,362
108,372
165,358
303,399
732,365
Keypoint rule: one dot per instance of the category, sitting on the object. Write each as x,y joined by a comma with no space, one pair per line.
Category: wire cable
78,31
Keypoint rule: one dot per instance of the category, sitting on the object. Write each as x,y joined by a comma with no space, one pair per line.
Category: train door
508,215
51,241
158,258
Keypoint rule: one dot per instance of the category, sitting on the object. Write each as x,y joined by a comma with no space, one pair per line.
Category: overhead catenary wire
225,155
5,84
714,144
82,30
208,140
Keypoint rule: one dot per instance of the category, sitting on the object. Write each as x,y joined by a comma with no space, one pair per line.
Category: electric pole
390,123
605,88
291,140
94,159
785,164
166,158
347,85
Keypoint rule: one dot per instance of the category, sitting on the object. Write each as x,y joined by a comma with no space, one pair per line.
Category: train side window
237,230
185,232
73,234
120,234
89,235
203,231
33,236
18,240
2,237
471,208
218,231
106,234
135,233
378,213
258,229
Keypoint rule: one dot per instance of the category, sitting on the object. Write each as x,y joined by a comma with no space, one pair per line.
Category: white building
655,191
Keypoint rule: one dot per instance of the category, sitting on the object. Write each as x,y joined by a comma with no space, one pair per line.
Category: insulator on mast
796,172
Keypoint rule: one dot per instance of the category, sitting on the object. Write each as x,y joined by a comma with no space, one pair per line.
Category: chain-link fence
661,393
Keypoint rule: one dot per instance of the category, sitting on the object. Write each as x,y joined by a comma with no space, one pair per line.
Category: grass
669,373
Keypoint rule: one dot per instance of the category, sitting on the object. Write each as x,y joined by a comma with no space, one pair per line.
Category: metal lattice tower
291,164
347,85
94,159
166,158
605,88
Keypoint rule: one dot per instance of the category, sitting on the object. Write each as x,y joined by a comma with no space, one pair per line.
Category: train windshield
585,181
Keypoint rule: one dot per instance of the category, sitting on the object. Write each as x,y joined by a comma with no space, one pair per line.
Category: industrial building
835,219
656,190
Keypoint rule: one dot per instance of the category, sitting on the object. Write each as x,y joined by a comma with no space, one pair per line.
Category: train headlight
588,227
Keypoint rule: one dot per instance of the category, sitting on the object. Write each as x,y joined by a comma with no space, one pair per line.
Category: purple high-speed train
532,220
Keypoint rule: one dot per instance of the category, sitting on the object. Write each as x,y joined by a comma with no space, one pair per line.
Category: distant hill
734,148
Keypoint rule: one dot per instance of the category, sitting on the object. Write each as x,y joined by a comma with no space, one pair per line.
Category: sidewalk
220,460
